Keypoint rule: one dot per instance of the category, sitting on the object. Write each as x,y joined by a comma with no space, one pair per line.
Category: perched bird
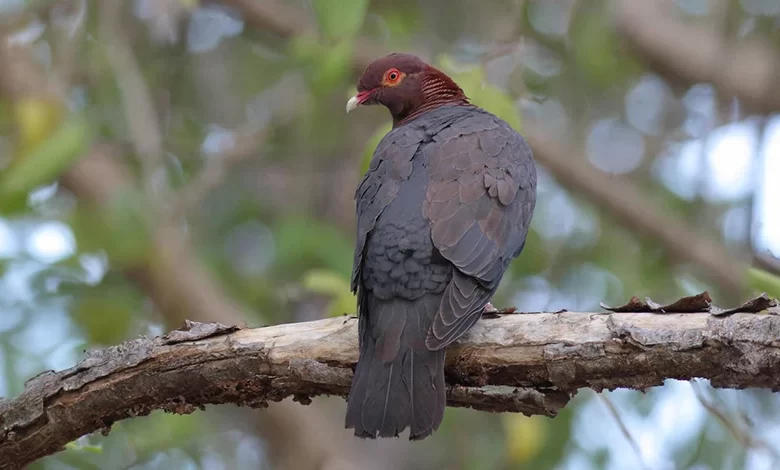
442,210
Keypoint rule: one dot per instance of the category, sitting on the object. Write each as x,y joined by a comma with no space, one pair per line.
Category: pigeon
443,209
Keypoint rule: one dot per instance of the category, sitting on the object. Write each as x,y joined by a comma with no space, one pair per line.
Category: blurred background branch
631,208
623,428
679,50
140,115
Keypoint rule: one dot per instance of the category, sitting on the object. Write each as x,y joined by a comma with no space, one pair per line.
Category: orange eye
392,77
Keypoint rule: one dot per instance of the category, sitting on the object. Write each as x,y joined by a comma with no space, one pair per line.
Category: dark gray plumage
444,207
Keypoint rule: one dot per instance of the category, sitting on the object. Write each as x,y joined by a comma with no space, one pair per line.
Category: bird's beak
358,99
352,103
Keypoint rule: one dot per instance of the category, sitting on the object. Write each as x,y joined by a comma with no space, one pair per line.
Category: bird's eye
392,77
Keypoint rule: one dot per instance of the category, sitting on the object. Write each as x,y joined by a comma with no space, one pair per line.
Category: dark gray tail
398,382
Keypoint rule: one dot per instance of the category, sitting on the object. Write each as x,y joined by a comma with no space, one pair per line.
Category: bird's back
400,255
423,207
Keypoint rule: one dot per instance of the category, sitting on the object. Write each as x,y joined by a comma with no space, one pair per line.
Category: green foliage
372,144
534,258
333,285
133,443
84,448
597,49
36,119
481,93
304,243
537,82
106,312
398,20
536,441
326,65
328,61
45,162
161,431
763,281
332,66
340,19
120,228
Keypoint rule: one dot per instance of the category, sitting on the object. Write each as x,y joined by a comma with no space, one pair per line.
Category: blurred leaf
7,118
536,82
83,448
534,258
372,144
13,204
340,19
137,443
763,281
107,312
324,282
73,458
483,94
162,431
395,20
332,67
36,119
557,431
597,49
48,160
121,228
305,48
333,285
304,243
525,436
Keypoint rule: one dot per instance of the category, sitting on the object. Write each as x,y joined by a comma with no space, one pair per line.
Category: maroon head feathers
407,86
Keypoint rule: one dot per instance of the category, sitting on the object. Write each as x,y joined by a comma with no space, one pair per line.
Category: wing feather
480,200
390,164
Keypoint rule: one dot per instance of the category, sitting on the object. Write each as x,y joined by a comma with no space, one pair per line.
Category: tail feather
398,382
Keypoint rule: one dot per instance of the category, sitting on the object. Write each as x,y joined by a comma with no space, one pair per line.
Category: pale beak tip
352,103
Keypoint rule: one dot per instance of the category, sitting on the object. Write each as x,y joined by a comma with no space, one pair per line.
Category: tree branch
631,209
529,363
694,53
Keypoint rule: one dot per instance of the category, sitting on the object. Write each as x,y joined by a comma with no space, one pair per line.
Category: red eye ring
392,76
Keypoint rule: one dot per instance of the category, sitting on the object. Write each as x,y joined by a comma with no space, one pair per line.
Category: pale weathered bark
530,363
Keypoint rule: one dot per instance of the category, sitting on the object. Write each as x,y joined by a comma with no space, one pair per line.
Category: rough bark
529,363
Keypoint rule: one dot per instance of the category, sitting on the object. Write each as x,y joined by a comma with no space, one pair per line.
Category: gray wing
479,202
390,165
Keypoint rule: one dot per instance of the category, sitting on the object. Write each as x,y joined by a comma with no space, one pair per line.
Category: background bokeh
171,159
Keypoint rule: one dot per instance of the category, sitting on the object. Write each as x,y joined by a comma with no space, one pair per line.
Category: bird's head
406,85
